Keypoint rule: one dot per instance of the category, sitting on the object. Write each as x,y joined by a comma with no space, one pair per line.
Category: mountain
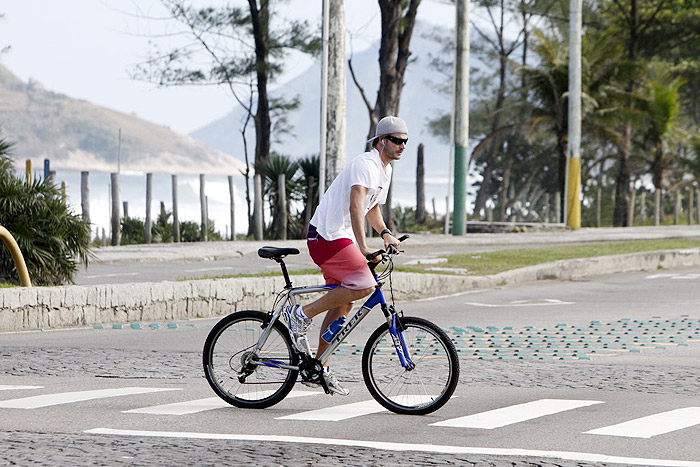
420,102
78,135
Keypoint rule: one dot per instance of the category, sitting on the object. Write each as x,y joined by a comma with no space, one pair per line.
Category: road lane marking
515,413
220,268
5,387
116,274
200,405
653,425
406,447
47,400
338,412
517,303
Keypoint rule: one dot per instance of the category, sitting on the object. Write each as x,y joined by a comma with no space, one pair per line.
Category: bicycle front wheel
238,374
418,391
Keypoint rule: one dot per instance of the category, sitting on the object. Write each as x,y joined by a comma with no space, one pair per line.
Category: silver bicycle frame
376,298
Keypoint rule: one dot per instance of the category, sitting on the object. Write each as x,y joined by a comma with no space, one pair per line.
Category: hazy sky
84,48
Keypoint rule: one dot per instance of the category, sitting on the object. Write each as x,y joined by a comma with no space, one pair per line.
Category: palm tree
310,170
51,237
271,169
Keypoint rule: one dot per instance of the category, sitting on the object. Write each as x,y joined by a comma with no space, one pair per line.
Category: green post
461,118
459,226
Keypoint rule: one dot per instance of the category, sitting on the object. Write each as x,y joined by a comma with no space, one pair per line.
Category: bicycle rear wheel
418,391
236,374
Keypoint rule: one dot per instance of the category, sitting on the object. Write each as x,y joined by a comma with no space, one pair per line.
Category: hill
78,135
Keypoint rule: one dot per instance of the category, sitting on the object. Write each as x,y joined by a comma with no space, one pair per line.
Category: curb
27,308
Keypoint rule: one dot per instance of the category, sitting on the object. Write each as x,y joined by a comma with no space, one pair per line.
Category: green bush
49,235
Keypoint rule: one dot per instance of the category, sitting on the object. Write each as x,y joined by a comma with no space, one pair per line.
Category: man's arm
376,220
358,195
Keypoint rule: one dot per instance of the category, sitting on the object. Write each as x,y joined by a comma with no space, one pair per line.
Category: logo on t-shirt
374,196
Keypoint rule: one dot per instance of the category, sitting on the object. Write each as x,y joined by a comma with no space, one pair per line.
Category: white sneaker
333,384
298,323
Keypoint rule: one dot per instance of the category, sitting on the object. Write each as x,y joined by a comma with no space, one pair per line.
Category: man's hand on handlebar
391,244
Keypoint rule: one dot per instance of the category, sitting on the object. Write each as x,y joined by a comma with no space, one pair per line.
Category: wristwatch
385,231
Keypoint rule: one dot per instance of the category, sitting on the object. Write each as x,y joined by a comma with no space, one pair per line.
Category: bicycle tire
223,355
421,390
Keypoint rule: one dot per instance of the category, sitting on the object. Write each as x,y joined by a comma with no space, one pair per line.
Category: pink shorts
341,262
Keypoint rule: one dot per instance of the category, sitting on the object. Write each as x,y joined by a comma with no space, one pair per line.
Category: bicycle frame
377,298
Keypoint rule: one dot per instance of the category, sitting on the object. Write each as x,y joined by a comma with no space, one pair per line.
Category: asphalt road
597,372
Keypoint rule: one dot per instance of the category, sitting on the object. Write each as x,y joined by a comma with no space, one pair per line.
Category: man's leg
340,296
331,316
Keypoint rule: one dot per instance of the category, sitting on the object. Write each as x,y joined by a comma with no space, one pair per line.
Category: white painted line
46,400
515,413
221,268
517,303
200,405
116,274
653,425
4,387
659,276
338,412
412,447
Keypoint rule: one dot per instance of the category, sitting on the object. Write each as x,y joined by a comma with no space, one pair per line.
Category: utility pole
572,206
324,99
461,119
334,152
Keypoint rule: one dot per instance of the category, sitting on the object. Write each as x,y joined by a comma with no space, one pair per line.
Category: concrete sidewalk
472,242
23,308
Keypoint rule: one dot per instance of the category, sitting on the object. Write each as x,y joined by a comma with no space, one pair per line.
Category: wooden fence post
232,197
149,197
28,171
282,206
116,230
203,208
85,195
257,209
176,220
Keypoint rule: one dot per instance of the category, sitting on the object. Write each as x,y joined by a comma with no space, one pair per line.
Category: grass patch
493,262
6,285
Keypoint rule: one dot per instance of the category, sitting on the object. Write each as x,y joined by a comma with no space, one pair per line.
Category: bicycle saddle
271,252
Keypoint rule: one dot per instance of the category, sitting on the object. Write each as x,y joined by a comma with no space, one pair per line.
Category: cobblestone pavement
554,357
80,450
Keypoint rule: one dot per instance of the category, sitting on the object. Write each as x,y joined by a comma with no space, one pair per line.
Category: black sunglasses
397,141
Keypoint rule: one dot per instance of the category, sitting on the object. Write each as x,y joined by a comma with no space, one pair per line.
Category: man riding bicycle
336,238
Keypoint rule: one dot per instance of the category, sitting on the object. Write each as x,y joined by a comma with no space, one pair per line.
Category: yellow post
573,210
28,170
11,245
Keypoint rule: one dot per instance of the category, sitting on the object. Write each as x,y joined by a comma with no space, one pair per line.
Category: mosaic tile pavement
566,342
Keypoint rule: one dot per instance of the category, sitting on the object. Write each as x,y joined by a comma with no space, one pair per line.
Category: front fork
396,330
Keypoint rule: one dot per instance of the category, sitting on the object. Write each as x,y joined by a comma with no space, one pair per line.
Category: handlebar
392,249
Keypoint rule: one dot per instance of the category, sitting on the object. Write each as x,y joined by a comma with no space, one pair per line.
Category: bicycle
409,364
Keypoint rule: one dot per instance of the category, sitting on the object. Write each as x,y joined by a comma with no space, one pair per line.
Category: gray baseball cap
389,125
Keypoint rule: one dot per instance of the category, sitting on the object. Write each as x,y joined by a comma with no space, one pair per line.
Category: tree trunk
420,187
336,108
260,22
398,17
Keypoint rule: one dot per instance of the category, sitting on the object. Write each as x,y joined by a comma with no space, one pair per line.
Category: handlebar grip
403,237
371,256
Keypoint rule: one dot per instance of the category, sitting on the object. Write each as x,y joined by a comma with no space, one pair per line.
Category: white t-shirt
332,216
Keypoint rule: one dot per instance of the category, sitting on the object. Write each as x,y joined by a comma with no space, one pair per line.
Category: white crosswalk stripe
338,412
653,425
5,387
201,405
515,413
47,400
